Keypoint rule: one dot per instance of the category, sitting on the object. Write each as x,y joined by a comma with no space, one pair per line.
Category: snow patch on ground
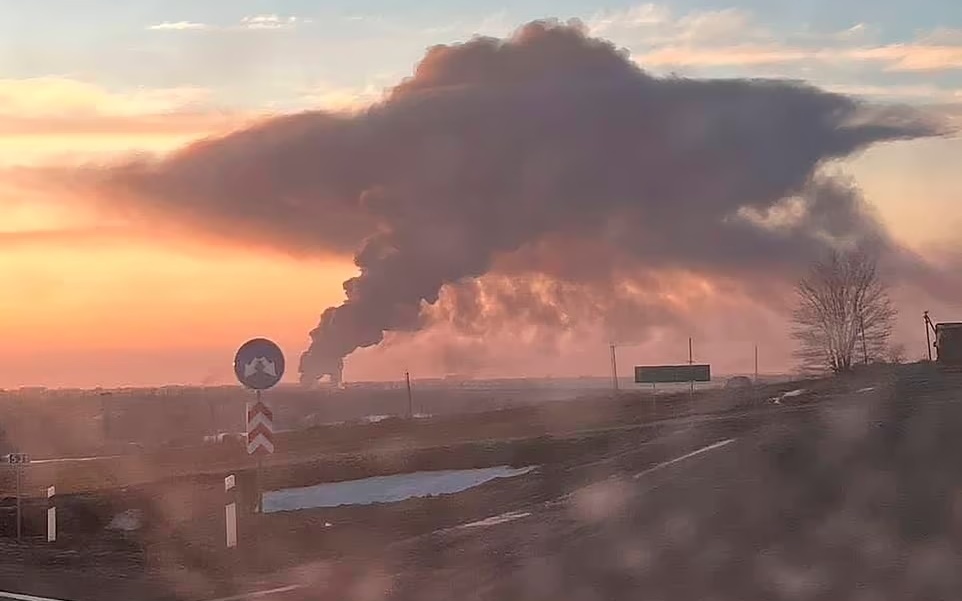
373,419
787,395
128,521
384,489
497,519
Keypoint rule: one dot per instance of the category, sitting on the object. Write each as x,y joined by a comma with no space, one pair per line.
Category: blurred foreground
824,489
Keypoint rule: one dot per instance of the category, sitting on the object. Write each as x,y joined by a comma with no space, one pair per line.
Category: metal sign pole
257,476
19,506
260,493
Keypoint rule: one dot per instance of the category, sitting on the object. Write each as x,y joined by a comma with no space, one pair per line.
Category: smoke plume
524,152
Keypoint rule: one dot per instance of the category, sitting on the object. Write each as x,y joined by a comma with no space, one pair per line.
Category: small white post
51,515
230,512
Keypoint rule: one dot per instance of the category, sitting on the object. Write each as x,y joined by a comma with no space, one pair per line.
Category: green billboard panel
667,374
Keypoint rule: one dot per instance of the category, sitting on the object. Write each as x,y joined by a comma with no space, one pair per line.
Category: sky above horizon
92,298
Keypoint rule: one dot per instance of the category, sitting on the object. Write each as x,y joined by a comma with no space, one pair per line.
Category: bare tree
844,312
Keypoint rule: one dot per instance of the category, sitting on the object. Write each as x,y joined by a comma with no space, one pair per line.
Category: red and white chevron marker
260,429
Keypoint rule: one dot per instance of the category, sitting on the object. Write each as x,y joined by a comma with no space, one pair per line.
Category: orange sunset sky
94,298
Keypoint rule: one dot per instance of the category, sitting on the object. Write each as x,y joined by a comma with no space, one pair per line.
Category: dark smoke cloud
621,311
494,145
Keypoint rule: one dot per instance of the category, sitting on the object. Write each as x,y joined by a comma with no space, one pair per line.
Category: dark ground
838,493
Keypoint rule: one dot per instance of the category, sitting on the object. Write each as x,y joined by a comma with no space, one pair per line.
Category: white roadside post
230,511
51,515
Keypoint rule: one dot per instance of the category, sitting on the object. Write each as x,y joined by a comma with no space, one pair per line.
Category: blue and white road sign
259,364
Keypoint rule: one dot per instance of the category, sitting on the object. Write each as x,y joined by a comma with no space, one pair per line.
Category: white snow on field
128,521
373,419
869,389
497,519
786,395
384,489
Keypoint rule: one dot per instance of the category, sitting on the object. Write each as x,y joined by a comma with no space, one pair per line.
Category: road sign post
260,440
258,479
18,460
259,365
19,503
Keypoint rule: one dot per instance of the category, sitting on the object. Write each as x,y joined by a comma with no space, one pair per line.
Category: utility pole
614,369
756,364
691,382
928,340
407,379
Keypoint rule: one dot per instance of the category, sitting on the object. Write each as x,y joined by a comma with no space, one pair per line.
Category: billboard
665,374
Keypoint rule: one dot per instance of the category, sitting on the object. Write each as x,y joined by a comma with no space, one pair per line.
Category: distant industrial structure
333,369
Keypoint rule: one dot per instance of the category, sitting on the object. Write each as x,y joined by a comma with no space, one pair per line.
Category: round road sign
259,364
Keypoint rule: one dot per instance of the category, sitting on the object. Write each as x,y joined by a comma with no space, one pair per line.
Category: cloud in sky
267,21
655,25
734,38
642,15
341,98
178,26
919,92
892,57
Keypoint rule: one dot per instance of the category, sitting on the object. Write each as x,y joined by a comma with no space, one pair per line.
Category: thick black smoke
495,145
